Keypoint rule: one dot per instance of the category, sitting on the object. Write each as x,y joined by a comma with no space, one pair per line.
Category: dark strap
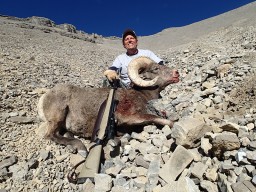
72,175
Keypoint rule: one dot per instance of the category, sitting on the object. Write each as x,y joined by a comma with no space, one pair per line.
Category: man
130,43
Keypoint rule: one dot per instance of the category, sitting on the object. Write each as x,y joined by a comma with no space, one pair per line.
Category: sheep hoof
83,153
71,149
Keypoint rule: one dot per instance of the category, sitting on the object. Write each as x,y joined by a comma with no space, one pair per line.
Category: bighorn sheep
67,108
223,70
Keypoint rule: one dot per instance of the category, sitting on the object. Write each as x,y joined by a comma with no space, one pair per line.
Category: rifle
104,128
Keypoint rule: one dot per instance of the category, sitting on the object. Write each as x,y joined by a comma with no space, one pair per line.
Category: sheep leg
56,117
141,119
54,135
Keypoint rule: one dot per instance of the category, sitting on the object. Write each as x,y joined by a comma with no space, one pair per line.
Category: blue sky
111,17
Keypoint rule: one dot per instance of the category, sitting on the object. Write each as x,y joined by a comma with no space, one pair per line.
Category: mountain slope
171,37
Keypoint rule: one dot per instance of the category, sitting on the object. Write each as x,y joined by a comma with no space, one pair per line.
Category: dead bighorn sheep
67,108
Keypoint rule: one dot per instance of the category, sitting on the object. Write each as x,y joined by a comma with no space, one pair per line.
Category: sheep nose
176,73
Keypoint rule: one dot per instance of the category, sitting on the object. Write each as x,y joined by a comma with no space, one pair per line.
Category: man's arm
112,72
154,57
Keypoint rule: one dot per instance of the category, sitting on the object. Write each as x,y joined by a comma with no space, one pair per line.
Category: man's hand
111,75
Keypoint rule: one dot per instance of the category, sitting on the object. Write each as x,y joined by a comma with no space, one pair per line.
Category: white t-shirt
122,61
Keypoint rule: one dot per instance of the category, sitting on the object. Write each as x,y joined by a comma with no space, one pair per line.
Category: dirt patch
244,95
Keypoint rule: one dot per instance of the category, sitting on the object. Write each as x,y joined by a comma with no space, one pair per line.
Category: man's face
130,42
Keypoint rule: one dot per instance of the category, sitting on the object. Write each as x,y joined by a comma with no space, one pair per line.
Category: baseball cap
129,32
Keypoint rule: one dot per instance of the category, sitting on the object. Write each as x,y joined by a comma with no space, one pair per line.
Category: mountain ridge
176,36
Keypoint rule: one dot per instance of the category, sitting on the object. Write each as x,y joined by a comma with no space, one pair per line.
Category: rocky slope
175,36
210,148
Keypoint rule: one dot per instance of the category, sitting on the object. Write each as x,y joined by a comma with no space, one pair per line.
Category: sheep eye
155,70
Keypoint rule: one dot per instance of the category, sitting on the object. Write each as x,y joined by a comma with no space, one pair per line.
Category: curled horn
133,71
